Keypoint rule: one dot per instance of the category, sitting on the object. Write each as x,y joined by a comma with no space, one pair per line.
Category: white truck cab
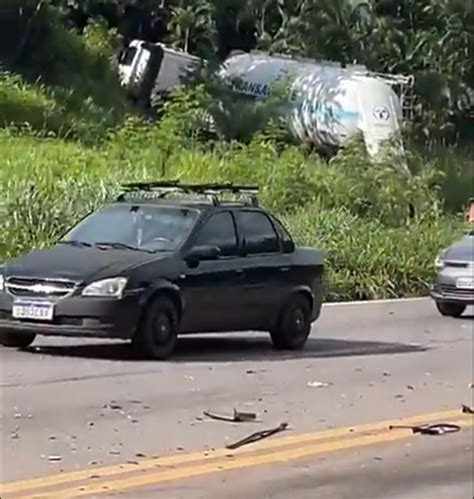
146,69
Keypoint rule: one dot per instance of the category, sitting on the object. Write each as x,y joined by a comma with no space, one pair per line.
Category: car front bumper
78,317
446,288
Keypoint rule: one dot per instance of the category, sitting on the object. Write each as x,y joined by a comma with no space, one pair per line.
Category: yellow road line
237,462
180,459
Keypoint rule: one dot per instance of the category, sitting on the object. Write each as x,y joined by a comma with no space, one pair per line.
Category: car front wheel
450,309
157,334
16,340
294,324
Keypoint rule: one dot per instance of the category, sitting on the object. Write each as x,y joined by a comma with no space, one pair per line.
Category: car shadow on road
233,349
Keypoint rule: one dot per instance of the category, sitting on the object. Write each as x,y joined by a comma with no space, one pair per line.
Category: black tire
450,309
17,340
157,334
294,324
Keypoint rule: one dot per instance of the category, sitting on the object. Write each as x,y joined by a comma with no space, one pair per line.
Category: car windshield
148,228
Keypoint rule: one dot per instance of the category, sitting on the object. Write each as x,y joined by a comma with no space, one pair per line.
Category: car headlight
106,288
439,262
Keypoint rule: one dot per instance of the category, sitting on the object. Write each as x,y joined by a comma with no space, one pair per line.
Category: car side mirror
201,253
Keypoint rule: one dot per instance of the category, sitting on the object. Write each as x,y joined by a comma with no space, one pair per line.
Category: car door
213,290
266,267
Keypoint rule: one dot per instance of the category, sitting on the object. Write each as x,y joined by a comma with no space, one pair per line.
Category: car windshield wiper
120,246
76,243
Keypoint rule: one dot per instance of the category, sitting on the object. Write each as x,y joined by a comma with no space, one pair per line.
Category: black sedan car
166,259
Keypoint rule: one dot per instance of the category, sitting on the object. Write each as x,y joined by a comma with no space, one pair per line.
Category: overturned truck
328,103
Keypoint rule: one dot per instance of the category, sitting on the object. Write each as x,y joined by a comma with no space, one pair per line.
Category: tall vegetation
430,39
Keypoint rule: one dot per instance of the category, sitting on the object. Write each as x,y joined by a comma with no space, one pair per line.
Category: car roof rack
212,191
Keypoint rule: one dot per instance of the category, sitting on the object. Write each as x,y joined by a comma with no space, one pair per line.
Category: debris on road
429,429
318,384
238,417
471,385
55,458
467,410
259,435
410,387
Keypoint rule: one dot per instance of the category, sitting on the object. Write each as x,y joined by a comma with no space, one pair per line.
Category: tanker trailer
328,103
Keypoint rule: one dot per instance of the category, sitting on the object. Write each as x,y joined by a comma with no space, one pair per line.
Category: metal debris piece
430,429
238,417
249,371
140,454
467,410
259,435
114,406
55,458
318,384
410,387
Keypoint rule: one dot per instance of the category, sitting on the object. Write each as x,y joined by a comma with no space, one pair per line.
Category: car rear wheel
450,309
157,334
16,340
294,324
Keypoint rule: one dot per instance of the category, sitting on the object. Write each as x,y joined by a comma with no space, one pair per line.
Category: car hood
462,250
77,263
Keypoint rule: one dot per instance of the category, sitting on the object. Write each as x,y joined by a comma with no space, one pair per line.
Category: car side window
258,233
219,230
285,235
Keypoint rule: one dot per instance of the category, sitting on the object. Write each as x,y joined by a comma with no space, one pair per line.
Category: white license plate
33,310
465,283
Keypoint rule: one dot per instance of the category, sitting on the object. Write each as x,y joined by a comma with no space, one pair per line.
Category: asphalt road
75,404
